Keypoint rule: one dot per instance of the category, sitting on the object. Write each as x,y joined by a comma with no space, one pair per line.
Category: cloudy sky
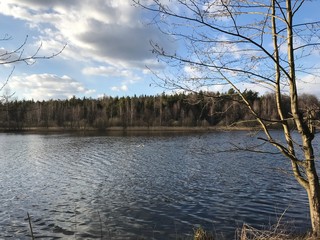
106,54
108,48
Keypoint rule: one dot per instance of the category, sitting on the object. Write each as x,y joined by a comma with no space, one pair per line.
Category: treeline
187,110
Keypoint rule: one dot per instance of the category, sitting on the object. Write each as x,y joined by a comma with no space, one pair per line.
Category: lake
151,186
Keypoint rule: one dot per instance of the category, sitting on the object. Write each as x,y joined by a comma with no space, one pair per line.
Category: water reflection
126,187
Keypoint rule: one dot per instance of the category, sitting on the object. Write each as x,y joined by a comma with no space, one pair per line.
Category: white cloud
309,84
111,71
105,31
127,77
47,86
122,88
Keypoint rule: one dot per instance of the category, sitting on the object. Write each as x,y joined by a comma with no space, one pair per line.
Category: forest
203,109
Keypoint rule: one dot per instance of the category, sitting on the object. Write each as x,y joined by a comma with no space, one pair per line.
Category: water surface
133,187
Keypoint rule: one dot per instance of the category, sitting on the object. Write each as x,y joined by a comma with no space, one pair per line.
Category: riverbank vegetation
277,232
204,109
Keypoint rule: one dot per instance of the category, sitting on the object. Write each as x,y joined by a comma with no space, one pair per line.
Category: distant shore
127,129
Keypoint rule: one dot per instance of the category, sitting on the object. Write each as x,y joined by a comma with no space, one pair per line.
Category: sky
108,48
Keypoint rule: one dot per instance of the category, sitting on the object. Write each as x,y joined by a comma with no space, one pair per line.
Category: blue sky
106,54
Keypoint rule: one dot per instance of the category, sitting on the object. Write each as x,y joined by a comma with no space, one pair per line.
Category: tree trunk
312,183
314,199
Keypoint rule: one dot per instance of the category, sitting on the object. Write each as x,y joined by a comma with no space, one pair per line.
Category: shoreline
128,129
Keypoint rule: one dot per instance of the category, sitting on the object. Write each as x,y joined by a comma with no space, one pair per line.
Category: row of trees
188,110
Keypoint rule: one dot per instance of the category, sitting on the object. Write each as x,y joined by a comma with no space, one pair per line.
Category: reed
201,234
249,233
30,226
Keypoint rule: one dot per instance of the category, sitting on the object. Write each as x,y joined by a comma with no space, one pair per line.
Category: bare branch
7,80
232,42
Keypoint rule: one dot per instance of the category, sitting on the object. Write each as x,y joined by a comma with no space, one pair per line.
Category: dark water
133,187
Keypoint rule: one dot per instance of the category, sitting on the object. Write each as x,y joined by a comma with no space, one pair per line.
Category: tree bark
314,199
312,188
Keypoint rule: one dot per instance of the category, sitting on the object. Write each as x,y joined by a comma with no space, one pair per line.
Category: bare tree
260,42
17,55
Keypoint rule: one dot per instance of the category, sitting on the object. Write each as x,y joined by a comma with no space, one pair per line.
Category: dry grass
275,233
201,234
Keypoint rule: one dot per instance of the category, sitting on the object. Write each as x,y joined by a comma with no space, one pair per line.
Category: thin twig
30,226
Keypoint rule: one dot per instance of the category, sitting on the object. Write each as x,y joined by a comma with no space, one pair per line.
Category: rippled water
131,187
